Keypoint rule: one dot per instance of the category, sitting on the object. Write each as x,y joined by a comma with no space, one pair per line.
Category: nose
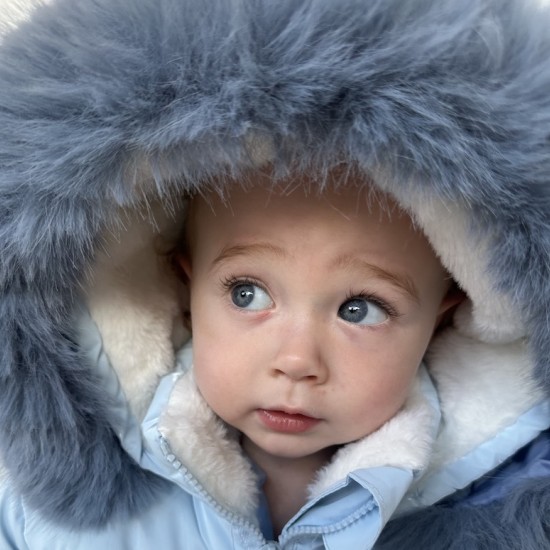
300,355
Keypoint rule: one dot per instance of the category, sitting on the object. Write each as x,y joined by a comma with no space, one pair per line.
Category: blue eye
361,311
249,296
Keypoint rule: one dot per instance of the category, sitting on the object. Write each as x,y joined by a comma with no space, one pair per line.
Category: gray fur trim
518,522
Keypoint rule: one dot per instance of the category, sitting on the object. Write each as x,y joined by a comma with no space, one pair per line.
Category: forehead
352,211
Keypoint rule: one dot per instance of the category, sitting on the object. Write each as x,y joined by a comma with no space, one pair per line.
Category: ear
184,265
454,297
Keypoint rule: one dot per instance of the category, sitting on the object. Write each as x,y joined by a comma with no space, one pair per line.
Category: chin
292,450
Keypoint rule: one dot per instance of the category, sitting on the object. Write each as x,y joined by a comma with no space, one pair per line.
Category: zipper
254,533
233,518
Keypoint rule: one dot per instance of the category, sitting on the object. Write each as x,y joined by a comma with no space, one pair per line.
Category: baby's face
310,315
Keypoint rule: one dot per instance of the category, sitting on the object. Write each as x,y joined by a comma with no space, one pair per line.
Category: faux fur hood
112,110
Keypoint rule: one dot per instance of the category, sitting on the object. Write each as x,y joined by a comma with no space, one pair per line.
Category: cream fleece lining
211,451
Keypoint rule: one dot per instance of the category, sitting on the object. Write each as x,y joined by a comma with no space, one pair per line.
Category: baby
310,315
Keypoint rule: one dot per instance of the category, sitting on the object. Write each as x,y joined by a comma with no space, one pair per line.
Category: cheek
220,359
374,400
379,379
214,363
216,381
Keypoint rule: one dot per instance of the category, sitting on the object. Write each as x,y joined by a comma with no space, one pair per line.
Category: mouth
286,422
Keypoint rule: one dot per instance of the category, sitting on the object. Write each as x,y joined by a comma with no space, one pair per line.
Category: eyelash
229,282
382,304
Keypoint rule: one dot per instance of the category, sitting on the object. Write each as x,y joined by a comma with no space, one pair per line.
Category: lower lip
283,422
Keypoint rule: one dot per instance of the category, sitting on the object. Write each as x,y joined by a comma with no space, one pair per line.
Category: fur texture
136,303
213,455
209,449
116,103
476,382
518,522
13,11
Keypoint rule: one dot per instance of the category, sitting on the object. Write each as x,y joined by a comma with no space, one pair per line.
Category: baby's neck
287,480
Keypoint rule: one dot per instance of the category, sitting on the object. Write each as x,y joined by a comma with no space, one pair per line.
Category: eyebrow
400,280
258,249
